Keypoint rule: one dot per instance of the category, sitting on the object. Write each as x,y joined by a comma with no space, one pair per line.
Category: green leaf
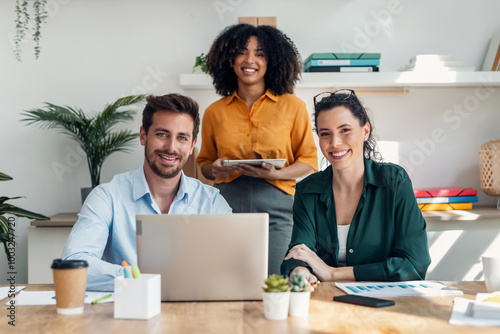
18,212
5,177
94,133
5,198
201,62
5,226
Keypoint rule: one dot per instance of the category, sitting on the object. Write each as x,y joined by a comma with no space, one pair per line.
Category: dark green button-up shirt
387,239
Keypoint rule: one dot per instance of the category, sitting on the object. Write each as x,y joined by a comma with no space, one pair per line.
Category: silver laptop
205,257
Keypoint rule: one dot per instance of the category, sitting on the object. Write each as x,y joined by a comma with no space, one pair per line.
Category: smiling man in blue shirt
104,234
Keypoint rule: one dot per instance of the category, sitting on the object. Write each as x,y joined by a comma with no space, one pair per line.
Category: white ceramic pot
299,304
491,270
276,305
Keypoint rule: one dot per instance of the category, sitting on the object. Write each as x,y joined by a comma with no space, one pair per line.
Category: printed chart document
398,289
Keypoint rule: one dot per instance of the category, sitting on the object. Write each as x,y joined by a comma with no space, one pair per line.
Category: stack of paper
475,312
342,62
9,291
49,297
487,310
435,62
439,199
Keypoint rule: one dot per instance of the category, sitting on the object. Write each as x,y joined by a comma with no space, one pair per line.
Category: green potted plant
300,295
95,133
276,297
6,225
201,63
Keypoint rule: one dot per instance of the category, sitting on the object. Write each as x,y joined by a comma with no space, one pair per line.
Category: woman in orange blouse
255,70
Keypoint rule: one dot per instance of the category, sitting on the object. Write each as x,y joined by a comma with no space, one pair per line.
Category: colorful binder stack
342,62
439,199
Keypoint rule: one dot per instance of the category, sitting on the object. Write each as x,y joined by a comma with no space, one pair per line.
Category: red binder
444,192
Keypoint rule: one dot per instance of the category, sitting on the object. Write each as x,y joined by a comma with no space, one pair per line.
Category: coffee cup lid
69,264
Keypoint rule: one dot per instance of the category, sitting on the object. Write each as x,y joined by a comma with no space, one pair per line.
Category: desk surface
409,315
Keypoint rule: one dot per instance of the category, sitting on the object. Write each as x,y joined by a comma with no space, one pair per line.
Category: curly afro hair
283,60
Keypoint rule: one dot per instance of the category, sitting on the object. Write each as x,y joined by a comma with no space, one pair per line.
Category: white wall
96,51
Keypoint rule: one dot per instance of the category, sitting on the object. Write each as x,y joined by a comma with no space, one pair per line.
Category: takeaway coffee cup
70,280
491,270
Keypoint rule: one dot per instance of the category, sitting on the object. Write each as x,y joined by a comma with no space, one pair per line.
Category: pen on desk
101,299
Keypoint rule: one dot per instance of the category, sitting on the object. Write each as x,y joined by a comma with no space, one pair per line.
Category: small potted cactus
276,297
300,295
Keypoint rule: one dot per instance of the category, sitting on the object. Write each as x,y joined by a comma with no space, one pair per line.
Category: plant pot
276,305
85,192
299,304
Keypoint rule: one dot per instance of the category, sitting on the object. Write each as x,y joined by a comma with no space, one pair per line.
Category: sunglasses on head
341,94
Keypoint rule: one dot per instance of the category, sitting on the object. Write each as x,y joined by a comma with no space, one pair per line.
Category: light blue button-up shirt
104,234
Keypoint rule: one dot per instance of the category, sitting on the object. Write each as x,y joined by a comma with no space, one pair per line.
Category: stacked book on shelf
342,62
435,62
440,199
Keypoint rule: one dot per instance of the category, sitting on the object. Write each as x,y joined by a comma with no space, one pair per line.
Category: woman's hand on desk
304,271
303,253
323,271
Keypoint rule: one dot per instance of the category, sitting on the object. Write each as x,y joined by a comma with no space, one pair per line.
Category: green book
333,55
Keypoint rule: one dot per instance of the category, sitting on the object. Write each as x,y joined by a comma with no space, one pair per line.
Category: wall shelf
372,80
475,214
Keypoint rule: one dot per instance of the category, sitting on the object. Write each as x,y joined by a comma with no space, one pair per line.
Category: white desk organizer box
137,298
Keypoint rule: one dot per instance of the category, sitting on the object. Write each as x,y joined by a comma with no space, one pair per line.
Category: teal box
335,55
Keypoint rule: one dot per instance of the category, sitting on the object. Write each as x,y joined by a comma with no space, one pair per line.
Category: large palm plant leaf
115,113
94,133
110,143
6,227
4,177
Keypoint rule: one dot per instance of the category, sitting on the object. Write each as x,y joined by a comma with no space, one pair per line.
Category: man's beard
157,170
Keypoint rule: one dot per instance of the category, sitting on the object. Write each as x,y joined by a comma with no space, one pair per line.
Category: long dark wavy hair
352,103
283,60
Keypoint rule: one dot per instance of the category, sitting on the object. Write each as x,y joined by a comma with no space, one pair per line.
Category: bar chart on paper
398,289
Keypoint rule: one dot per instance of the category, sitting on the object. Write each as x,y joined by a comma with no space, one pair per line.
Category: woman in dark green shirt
358,219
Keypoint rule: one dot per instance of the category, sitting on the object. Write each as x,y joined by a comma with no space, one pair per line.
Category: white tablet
277,163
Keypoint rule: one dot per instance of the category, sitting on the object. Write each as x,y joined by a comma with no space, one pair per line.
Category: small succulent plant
277,283
299,283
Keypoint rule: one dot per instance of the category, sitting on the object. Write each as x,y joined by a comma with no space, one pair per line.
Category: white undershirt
342,231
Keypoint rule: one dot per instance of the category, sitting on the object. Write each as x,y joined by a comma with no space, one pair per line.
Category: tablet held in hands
277,163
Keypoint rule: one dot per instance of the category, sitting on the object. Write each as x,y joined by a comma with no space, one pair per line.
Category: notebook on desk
205,257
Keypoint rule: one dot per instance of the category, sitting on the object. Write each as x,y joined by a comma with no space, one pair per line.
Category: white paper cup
491,270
